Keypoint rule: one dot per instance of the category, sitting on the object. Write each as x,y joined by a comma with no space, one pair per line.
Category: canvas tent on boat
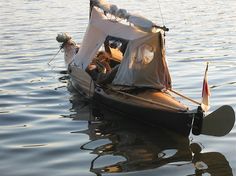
143,63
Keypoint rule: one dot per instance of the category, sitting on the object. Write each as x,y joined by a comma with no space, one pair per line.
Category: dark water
44,124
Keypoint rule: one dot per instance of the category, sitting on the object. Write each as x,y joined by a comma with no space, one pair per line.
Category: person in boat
99,65
100,69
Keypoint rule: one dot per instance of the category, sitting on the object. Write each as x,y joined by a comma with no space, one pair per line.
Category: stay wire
54,57
162,18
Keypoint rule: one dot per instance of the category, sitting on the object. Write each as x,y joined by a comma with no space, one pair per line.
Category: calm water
44,124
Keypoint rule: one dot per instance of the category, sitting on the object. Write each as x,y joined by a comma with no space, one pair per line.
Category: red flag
205,92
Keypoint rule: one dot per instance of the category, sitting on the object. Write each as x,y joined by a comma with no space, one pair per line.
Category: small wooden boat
139,83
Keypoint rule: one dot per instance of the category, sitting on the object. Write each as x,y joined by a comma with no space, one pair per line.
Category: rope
61,47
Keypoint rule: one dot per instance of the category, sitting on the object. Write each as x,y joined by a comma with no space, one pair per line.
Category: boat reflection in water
120,146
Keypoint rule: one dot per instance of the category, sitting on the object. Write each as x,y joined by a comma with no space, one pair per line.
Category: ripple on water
44,125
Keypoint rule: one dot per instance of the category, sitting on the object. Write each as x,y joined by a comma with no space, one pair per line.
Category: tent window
116,47
144,54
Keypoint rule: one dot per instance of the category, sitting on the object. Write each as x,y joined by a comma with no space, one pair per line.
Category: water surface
45,125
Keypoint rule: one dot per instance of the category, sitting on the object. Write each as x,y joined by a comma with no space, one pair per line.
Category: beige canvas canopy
143,63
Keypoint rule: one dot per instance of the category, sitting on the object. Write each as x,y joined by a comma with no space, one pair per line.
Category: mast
91,4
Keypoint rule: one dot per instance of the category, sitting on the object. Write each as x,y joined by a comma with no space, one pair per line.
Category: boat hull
174,116
180,122
81,81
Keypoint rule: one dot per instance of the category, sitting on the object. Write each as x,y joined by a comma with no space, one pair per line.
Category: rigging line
54,57
158,1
